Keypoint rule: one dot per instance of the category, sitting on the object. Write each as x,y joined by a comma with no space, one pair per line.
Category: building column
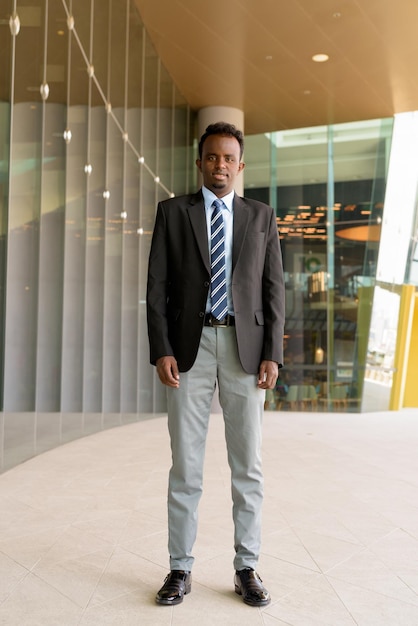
210,115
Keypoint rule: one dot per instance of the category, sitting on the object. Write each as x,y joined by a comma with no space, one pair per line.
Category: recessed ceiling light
320,58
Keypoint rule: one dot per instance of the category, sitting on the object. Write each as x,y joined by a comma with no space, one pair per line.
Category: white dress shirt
228,217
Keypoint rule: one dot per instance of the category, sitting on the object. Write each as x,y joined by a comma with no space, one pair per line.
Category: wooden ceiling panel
257,56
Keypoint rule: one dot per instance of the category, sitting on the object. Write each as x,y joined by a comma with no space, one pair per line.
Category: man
223,327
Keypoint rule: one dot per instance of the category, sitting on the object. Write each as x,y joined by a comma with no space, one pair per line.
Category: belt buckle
219,323
215,323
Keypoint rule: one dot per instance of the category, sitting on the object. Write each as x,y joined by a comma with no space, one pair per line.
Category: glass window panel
56,53
94,272
51,261
4,201
81,12
118,67
146,374
136,61
77,157
380,344
258,172
28,70
165,129
328,180
130,268
182,157
113,270
150,119
24,212
360,161
400,200
6,56
102,24
412,270
301,175
81,212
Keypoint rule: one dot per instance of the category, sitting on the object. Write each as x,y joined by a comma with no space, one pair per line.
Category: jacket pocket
259,318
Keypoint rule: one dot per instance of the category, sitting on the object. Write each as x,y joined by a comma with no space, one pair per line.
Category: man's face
220,164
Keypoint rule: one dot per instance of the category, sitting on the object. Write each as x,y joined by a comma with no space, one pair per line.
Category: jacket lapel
240,227
197,216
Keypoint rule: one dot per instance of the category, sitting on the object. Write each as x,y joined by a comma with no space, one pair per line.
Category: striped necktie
219,306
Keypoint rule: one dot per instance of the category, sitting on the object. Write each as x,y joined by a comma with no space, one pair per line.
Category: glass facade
391,361
93,133
328,187
98,134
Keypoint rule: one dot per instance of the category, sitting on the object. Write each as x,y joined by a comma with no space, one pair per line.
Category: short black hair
225,129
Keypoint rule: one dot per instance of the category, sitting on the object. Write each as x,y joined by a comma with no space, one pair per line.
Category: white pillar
211,115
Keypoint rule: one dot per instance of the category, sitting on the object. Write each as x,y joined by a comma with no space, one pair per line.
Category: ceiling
256,55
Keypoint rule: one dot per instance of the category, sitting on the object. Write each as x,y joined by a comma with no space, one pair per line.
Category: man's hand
267,375
168,371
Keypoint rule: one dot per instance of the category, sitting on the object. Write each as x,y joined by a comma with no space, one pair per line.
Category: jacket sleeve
157,291
273,297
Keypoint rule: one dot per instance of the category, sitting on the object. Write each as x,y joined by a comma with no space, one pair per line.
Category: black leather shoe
248,584
176,585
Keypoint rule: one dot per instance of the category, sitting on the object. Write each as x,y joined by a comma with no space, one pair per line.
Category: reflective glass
26,131
78,157
4,202
328,187
99,134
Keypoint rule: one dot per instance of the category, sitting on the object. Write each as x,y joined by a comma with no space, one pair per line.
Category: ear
241,166
199,164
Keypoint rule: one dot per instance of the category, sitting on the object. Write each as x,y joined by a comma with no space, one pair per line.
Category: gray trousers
188,418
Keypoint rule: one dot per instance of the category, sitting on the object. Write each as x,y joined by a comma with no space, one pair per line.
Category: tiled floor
83,528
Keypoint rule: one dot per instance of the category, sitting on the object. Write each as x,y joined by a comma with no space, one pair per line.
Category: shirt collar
209,197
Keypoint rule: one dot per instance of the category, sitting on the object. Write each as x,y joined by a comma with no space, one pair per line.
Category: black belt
228,320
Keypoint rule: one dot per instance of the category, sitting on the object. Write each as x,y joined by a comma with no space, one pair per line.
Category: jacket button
201,314
206,284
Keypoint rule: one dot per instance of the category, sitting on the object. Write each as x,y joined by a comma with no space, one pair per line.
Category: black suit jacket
179,280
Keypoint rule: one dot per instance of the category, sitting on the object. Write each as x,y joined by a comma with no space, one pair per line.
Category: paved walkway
83,528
